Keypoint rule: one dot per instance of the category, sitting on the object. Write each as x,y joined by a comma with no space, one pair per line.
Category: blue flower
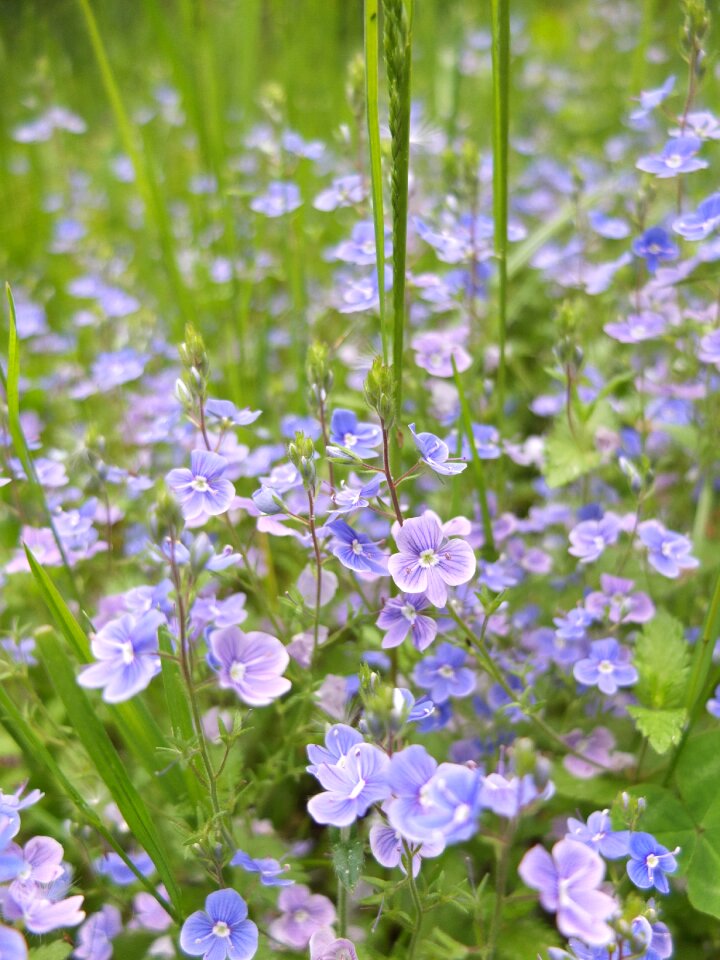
698,225
678,156
127,653
222,930
445,674
356,551
280,198
668,552
655,246
598,834
360,438
12,944
649,862
435,453
270,870
608,667
201,490
114,867
351,789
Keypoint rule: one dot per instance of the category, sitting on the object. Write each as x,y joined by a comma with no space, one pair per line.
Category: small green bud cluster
301,452
693,33
166,518
355,87
192,385
379,389
567,350
319,374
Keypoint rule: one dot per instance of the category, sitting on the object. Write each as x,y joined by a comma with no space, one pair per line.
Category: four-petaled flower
678,156
654,246
347,431
668,552
251,664
202,490
354,550
351,789
445,674
401,616
428,562
435,453
127,651
220,931
608,667
649,862
568,882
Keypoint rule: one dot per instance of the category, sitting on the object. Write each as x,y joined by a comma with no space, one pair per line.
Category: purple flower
228,414
678,156
617,603
222,930
127,651
608,667
339,741
349,498
344,192
324,945
709,351
251,664
612,228
435,352
590,537
713,704
270,870
445,675
568,882
454,795
649,99
39,861
654,246
113,866
435,453
40,914
411,770
400,616
599,835
12,944
388,849
202,490
360,248
507,796
698,225
303,914
96,933
668,552
637,328
649,862
148,914
354,550
279,198
347,431
428,562
351,789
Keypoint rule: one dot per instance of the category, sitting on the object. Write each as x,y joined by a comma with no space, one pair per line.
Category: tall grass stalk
145,179
398,25
501,115
372,43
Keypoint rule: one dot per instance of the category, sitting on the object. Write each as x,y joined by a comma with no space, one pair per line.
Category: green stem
373,127
501,879
388,475
501,117
417,904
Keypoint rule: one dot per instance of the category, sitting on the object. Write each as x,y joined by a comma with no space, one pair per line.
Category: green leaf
697,776
570,453
138,727
662,661
36,753
52,951
663,728
373,128
108,764
13,393
348,858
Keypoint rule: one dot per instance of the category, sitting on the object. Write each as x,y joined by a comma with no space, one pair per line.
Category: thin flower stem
318,568
501,875
417,904
388,474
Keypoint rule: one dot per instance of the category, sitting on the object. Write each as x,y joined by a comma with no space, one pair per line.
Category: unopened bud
379,388
302,455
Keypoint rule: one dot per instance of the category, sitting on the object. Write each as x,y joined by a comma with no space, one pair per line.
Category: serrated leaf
570,453
107,762
348,857
52,951
663,728
662,661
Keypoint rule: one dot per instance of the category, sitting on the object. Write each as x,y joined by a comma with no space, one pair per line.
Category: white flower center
301,916
127,652
25,872
237,671
652,861
462,813
674,161
357,789
605,666
357,547
221,929
428,558
349,440
200,484
409,612
447,672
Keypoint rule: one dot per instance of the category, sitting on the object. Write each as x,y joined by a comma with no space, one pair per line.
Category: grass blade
501,119
478,469
145,179
137,726
373,128
111,769
398,61
37,754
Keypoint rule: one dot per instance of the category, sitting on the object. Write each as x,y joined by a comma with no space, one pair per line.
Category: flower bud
166,518
379,388
302,456
319,374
